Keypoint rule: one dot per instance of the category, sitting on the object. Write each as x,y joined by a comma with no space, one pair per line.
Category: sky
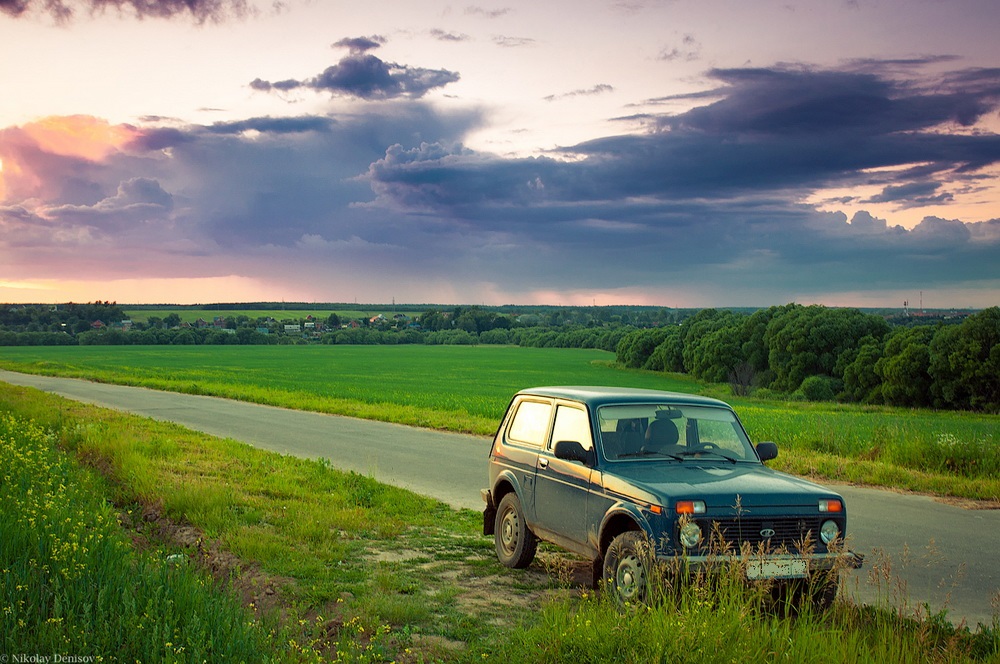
676,153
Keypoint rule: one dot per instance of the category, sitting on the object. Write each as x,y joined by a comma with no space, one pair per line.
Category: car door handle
543,462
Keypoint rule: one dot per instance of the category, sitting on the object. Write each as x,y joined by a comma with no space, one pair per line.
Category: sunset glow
665,153
79,136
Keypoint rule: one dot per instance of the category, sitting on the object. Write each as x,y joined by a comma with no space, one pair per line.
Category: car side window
572,424
530,423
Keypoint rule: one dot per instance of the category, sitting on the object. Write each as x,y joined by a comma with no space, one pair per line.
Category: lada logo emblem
767,533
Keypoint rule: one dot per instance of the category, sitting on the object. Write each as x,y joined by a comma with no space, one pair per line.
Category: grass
62,591
354,570
467,389
459,388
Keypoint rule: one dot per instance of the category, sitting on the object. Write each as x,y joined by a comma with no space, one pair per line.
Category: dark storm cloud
64,10
804,100
710,188
912,195
706,199
365,76
794,128
240,189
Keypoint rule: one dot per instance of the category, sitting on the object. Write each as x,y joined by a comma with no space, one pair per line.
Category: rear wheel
628,567
514,541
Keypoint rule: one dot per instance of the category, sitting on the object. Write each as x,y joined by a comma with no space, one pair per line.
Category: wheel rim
509,527
630,578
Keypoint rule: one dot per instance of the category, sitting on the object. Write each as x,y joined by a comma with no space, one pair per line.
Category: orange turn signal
831,506
690,506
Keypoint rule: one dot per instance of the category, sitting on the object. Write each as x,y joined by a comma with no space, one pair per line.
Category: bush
819,388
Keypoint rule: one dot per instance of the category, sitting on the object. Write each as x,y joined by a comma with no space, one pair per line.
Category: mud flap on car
489,513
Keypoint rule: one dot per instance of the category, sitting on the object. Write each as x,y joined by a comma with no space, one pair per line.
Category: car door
524,436
562,488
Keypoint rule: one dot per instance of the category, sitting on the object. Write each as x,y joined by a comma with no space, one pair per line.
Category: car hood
718,485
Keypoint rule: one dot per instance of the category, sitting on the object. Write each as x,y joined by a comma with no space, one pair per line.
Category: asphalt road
916,549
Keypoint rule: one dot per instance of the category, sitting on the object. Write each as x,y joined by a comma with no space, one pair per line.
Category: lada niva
626,477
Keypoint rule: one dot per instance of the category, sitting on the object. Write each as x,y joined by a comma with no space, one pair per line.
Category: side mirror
571,450
767,451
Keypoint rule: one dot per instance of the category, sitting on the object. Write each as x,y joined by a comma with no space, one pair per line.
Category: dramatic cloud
365,76
708,205
64,10
707,193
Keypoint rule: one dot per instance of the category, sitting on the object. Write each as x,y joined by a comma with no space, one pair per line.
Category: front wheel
628,567
514,541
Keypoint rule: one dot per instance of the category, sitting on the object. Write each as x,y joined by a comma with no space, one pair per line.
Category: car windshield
666,431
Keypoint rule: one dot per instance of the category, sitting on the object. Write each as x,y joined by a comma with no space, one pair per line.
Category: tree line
805,352
822,354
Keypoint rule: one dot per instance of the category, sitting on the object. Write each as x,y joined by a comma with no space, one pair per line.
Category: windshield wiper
644,453
690,453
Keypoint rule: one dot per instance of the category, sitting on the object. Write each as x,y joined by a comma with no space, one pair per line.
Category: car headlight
829,531
690,534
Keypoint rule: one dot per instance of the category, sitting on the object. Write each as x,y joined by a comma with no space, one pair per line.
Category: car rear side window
530,423
572,424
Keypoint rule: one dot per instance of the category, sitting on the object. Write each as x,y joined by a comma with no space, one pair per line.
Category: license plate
776,569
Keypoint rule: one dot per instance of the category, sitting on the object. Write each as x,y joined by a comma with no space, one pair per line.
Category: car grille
771,533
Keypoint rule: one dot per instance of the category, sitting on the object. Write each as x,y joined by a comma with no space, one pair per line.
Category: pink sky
672,153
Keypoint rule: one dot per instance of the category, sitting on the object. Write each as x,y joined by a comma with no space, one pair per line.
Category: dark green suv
623,476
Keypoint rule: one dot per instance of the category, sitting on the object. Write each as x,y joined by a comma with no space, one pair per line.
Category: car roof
595,396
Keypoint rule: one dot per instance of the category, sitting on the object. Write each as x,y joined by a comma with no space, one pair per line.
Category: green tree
861,381
637,346
700,351
904,367
809,341
965,363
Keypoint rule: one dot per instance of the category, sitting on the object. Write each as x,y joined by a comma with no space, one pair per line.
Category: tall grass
733,626
72,584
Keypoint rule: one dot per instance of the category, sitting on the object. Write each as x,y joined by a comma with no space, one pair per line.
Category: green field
453,385
466,388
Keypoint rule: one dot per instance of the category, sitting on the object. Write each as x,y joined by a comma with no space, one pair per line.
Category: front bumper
770,566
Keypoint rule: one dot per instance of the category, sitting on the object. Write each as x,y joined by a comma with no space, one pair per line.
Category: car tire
515,543
628,568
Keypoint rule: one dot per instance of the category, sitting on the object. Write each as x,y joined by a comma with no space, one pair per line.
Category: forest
823,354
814,352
